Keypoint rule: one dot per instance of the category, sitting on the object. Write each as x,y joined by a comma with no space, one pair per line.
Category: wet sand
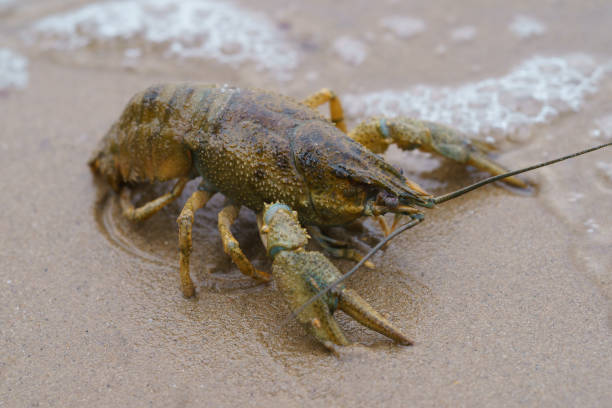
508,296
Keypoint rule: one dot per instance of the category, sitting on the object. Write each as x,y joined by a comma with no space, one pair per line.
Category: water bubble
402,26
526,27
352,51
463,34
13,70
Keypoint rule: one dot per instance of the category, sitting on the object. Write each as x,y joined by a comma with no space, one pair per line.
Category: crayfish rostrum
259,148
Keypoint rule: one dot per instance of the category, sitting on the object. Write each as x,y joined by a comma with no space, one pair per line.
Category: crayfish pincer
301,274
257,147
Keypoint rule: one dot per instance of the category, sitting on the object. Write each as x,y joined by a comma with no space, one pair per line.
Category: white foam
402,26
6,5
440,49
604,128
575,197
352,51
525,27
132,53
536,91
591,225
13,70
189,28
463,34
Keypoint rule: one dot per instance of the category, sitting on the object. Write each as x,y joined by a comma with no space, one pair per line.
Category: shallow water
508,296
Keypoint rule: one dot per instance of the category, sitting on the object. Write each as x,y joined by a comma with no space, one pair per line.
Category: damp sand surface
508,296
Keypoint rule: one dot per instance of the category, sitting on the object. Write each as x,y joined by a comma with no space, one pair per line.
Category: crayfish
282,159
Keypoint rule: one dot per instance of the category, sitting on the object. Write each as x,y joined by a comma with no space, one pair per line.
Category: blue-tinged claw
378,133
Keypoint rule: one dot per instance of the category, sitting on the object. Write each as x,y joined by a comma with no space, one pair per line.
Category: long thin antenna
450,196
338,281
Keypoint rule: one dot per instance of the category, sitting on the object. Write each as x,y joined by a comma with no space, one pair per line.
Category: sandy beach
507,295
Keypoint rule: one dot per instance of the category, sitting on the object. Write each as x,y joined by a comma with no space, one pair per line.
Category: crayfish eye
391,202
387,199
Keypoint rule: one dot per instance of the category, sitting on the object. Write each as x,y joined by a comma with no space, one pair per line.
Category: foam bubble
604,128
352,51
440,49
190,28
525,27
536,91
575,197
591,225
6,5
463,34
402,26
13,70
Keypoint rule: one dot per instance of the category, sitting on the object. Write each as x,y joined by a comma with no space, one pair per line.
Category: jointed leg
385,227
227,217
383,224
185,221
335,107
150,208
336,248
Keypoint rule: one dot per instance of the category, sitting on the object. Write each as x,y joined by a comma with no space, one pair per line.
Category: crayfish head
346,181
402,202
415,195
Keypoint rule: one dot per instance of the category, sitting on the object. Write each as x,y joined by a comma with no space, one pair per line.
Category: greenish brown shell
252,145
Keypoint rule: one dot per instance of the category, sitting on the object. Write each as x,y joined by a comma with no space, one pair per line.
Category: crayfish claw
482,162
378,133
456,146
301,274
355,306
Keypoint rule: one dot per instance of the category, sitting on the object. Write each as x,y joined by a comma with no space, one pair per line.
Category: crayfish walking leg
149,209
227,216
185,221
335,107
